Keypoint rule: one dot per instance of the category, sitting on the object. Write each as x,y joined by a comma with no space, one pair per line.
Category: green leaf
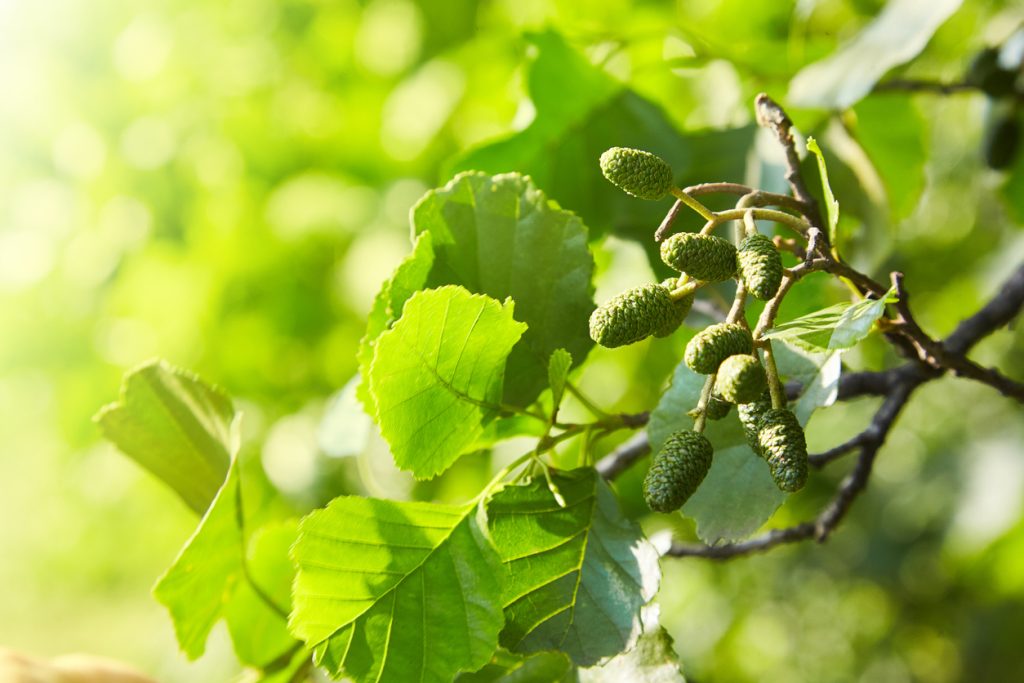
558,374
500,236
438,373
399,592
174,425
200,582
831,205
409,277
838,327
575,576
738,494
259,631
653,660
581,112
894,37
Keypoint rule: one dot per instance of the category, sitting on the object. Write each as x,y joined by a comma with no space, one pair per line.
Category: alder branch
771,116
929,360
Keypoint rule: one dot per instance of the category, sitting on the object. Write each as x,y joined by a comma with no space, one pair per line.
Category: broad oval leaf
399,592
501,236
575,576
176,426
437,374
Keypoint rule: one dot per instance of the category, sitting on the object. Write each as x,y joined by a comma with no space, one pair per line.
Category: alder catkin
784,446
759,265
741,379
750,415
636,172
703,257
716,408
714,344
678,469
633,315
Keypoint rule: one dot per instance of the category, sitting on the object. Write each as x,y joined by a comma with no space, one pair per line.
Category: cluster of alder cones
725,350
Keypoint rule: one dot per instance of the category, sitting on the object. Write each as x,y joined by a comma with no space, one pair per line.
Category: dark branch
770,115
998,312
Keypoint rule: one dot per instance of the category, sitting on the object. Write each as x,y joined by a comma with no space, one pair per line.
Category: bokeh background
226,184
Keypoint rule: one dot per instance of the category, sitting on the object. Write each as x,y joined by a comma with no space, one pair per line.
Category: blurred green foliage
226,185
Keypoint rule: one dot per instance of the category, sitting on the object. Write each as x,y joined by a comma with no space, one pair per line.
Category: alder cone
760,266
678,469
703,257
784,446
741,379
636,172
633,315
750,415
714,344
680,310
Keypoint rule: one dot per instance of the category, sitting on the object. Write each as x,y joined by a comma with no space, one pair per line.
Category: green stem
798,225
774,384
685,289
705,213
587,403
702,404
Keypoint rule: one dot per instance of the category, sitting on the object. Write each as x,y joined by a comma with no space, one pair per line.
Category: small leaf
199,584
894,37
838,327
409,277
501,236
176,426
438,373
738,494
558,374
397,592
831,205
575,576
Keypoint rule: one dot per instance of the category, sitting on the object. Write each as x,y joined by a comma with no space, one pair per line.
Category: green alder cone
785,448
677,471
750,415
636,172
714,344
633,315
741,379
1002,141
759,264
681,309
703,257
